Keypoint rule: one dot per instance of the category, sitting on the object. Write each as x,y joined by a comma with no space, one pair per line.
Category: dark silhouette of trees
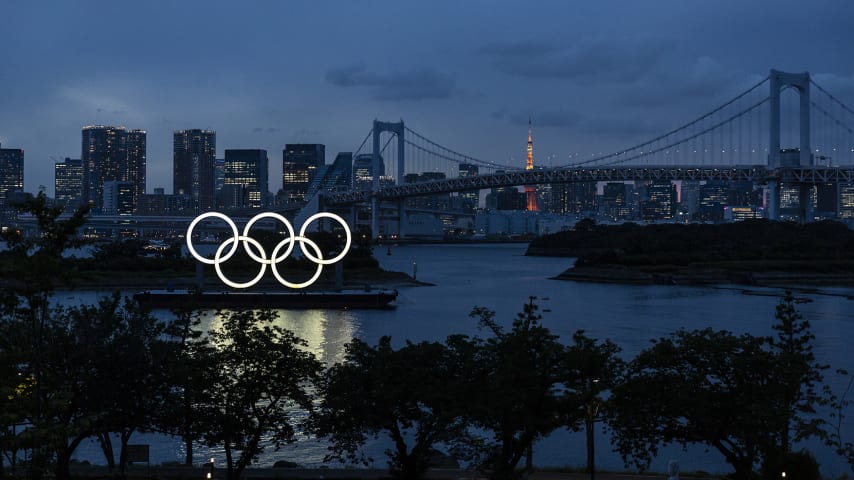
707,387
412,394
592,370
257,375
516,392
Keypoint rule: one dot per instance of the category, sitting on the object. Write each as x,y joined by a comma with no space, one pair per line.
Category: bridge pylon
800,82
397,129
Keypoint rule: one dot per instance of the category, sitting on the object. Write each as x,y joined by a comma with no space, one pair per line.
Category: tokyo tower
530,190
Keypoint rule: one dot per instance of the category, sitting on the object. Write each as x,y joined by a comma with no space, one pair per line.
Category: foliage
800,373
411,394
751,244
515,389
592,370
705,386
256,376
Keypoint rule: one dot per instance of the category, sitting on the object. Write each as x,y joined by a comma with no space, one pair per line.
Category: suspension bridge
785,130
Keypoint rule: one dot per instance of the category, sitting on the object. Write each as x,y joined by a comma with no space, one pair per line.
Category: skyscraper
112,154
469,198
11,172
248,169
68,181
300,161
363,174
194,166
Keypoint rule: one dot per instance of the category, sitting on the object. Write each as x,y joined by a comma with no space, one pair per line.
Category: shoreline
708,277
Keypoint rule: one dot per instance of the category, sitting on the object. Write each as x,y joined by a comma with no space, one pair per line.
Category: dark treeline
755,244
109,370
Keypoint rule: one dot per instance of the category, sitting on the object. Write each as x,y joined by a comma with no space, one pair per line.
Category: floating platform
338,300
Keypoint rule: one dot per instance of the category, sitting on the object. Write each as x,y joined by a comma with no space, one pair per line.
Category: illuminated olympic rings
256,251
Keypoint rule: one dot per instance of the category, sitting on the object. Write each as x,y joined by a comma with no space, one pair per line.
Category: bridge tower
800,82
397,129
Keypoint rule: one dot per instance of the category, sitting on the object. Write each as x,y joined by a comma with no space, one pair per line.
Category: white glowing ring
303,241
194,253
261,257
290,237
219,262
318,259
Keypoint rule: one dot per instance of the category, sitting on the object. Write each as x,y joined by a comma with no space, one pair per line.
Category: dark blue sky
593,76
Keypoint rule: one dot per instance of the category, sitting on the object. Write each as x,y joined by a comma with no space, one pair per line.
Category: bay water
501,278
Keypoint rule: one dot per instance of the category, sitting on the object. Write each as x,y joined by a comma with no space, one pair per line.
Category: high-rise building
112,154
575,197
846,200
363,174
469,198
194,167
119,198
68,181
662,201
11,172
300,161
247,174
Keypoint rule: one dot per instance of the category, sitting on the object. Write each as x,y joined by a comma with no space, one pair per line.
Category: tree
705,386
592,369
514,390
256,376
411,394
30,269
800,372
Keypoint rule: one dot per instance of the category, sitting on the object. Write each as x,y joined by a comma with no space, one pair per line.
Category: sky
593,76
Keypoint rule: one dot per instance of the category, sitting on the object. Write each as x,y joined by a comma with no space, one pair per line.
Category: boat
338,300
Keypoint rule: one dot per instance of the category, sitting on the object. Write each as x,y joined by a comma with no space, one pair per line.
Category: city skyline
592,77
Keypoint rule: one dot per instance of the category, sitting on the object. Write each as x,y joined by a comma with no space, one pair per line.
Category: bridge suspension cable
465,158
358,150
689,138
686,126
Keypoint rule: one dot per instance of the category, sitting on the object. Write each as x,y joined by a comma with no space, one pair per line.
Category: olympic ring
256,251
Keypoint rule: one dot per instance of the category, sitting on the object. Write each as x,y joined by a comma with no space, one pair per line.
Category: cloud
685,81
418,84
265,129
584,64
547,118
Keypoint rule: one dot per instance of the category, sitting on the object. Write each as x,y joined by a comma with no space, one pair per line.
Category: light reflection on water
501,278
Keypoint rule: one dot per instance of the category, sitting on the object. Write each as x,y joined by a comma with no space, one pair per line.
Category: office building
300,161
11,172
194,167
68,181
119,198
469,199
363,171
246,178
112,154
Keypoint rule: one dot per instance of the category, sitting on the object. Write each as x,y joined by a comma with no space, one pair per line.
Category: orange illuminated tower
530,190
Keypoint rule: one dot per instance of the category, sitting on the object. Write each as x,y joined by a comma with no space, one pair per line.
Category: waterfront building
300,162
363,174
246,178
469,199
68,181
11,172
846,200
615,204
112,154
118,198
713,198
662,201
576,197
194,167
